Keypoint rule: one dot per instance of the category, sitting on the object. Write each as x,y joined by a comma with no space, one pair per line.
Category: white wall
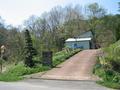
80,44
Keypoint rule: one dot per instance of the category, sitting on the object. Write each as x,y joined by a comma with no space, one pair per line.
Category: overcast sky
16,11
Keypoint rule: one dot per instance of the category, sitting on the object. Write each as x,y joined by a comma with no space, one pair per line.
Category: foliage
109,66
15,45
30,51
95,12
114,27
63,55
17,72
110,84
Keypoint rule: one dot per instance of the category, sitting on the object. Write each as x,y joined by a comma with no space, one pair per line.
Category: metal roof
78,39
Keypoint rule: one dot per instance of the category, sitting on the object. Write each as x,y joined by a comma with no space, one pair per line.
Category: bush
109,69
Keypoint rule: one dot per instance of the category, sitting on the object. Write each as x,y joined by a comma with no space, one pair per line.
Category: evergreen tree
29,50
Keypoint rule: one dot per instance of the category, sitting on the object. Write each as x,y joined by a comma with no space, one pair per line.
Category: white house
84,41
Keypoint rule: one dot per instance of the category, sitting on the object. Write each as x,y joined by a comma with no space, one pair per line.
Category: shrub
29,50
16,72
109,69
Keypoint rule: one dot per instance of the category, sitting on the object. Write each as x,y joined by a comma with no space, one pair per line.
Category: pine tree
29,50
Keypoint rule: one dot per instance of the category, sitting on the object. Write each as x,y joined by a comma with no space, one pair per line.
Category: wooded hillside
51,29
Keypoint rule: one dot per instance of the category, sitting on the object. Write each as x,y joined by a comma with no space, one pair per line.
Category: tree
3,32
111,23
95,12
29,50
73,19
15,44
117,27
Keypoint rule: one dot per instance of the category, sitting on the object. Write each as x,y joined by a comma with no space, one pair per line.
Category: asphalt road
37,84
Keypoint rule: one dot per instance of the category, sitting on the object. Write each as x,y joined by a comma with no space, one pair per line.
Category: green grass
63,55
108,67
108,78
109,84
16,72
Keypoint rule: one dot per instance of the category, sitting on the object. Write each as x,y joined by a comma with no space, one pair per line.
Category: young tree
29,50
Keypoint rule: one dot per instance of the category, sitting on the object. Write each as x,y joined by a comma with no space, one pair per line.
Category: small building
84,41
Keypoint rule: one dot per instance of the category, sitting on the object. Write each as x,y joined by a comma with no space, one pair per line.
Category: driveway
78,67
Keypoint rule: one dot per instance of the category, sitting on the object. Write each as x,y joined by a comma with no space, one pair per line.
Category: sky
14,12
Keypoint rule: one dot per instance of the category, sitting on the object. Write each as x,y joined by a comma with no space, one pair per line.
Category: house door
90,43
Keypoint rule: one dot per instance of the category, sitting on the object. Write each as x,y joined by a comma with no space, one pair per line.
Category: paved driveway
78,67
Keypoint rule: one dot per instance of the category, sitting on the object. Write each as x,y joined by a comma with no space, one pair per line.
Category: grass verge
109,84
63,55
108,78
15,73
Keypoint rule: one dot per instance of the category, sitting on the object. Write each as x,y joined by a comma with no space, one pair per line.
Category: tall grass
109,66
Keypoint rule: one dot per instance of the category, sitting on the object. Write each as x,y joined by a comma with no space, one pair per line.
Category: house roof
78,39
86,34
